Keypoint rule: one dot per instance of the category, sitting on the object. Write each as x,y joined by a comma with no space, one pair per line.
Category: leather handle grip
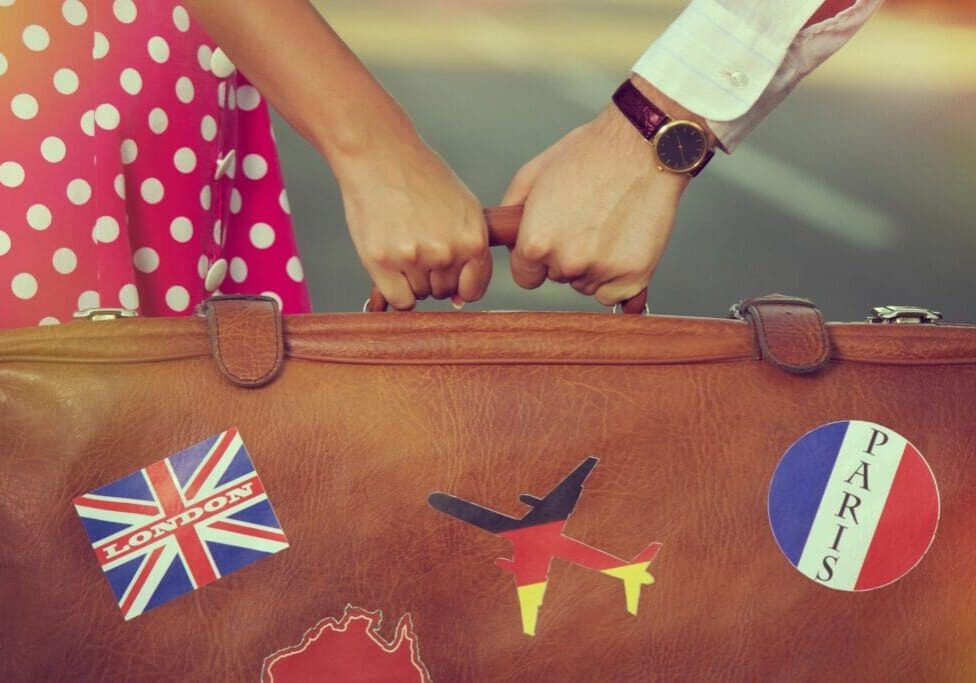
503,224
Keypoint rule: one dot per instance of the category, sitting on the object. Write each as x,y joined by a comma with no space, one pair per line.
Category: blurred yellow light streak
893,52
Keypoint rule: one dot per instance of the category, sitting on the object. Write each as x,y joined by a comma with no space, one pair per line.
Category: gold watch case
663,132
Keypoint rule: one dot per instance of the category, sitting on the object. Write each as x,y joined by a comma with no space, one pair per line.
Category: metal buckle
901,315
104,314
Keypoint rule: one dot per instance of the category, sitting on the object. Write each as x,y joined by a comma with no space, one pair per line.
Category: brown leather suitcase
664,483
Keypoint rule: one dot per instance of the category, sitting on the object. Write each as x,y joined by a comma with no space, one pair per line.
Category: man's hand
598,212
417,228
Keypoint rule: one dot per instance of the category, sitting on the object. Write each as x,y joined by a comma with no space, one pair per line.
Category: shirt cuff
718,64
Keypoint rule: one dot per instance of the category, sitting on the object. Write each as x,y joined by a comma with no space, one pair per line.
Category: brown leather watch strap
639,110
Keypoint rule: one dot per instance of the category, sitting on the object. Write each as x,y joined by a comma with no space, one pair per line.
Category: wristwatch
680,146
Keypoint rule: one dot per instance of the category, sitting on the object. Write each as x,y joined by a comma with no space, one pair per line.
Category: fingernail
457,302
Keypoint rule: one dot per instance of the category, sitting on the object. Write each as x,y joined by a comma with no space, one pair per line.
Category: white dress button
220,64
738,79
224,164
215,275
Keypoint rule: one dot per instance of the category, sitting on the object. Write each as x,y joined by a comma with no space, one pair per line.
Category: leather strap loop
503,224
789,332
245,338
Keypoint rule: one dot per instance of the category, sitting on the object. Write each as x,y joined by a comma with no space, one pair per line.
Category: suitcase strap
245,338
787,331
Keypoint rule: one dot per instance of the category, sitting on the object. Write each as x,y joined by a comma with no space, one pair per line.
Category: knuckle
534,249
437,255
573,266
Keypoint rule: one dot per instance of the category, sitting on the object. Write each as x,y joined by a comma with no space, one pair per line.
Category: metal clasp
104,314
901,315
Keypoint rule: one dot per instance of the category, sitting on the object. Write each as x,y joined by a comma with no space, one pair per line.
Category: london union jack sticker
853,505
180,523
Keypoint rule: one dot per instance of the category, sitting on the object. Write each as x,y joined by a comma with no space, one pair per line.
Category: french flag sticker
853,505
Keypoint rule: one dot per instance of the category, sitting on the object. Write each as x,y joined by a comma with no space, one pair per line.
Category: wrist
367,138
673,109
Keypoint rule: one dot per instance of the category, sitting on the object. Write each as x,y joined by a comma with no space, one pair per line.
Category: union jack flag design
180,523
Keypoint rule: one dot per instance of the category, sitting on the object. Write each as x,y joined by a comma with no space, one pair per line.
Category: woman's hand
598,212
417,228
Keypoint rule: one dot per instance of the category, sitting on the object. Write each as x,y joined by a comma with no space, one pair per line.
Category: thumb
521,185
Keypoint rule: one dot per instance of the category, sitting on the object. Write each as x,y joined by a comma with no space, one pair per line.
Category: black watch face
680,146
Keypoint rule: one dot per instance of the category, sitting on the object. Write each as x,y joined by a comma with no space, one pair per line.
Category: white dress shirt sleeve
732,61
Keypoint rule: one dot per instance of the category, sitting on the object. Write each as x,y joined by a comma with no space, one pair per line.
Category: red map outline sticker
348,656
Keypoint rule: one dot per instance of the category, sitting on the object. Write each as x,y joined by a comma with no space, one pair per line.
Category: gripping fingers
396,289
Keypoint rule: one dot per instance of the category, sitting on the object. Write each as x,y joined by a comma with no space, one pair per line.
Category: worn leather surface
790,332
371,413
245,338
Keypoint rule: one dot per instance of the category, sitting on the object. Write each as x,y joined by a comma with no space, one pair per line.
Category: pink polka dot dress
138,167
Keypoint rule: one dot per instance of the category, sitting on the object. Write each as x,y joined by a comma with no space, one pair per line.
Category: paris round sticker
853,505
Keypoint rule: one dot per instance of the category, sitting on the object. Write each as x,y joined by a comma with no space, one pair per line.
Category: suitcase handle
503,224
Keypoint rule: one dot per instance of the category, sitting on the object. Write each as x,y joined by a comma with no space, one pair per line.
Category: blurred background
858,191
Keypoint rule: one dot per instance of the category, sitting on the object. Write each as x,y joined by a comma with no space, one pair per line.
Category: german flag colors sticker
853,505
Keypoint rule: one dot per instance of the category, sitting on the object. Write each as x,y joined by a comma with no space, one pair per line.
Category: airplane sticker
538,537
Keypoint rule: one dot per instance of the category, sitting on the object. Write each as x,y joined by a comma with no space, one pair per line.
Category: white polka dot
125,11
53,149
185,160
131,81
129,297
106,230
100,46
146,259
64,260
39,217
238,269
88,122
152,190
49,320
24,286
158,121
79,191
119,184
255,167
221,65
208,128
36,38
248,97
177,298
74,12
232,98
283,202
218,232
4,243
89,299
181,229
273,295
158,49
262,235
205,198
107,116
3,64
204,53
202,266
181,19
128,150
65,81
294,269
235,201
221,94
11,174
24,106
184,90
